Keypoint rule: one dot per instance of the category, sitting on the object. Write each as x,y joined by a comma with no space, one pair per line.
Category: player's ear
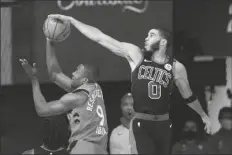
163,42
85,80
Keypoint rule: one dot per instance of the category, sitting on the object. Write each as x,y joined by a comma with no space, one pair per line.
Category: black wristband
191,99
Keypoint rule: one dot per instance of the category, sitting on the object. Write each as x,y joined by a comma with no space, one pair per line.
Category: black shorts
150,137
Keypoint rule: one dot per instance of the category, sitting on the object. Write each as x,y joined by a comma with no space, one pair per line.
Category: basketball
56,29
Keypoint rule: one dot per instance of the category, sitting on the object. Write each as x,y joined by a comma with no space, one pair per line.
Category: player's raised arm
65,103
127,50
54,71
43,108
181,81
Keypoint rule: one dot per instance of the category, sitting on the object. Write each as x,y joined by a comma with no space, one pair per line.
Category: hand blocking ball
56,29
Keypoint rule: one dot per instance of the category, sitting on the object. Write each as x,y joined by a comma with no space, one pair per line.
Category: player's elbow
42,112
99,36
52,76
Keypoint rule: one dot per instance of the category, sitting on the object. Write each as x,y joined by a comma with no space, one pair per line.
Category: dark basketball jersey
151,86
89,122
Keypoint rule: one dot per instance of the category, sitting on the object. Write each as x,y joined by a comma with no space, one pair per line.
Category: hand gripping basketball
56,29
60,17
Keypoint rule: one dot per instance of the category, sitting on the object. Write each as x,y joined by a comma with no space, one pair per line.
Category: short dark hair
91,72
225,112
55,132
166,35
127,95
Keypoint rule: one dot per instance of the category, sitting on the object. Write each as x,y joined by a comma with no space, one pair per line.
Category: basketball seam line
55,30
61,32
48,29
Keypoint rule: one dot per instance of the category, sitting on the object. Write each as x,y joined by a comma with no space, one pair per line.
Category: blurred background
202,31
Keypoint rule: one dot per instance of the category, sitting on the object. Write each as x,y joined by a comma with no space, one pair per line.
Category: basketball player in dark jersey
55,137
152,74
84,104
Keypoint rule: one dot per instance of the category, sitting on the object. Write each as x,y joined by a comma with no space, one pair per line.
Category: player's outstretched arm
127,50
181,81
54,71
44,108
65,103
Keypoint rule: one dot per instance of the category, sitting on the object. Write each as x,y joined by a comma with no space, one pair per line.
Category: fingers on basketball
53,16
56,29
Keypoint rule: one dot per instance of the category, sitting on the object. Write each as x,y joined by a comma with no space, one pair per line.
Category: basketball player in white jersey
84,104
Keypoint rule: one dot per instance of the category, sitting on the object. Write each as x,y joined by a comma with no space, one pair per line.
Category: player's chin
147,49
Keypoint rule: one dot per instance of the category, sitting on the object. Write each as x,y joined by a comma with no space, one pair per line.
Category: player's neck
159,56
125,122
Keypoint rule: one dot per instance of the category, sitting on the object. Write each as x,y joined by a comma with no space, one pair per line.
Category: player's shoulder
178,66
114,133
87,88
118,129
90,86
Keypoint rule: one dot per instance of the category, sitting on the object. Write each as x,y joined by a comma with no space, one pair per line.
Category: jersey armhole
82,90
142,58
